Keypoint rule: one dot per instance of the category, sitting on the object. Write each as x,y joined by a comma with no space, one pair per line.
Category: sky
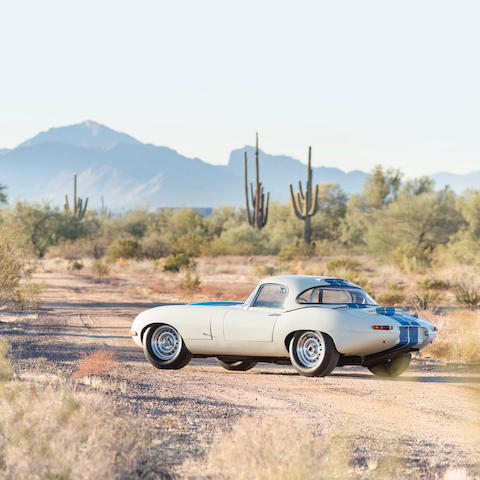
364,82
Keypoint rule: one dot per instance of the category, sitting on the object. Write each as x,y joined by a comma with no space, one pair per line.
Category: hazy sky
362,81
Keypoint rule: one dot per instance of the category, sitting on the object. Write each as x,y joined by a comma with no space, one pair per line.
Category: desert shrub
390,298
358,279
100,269
342,264
244,240
54,432
12,264
76,265
15,268
124,248
175,262
189,244
410,258
155,246
426,300
297,250
27,296
458,337
262,270
190,282
467,294
80,248
432,283
99,362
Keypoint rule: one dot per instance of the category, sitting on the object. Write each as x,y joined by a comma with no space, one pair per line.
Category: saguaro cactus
79,208
305,205
257,218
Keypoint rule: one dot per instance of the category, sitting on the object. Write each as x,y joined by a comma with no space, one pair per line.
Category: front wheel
164,347
393,367
313,354
239,366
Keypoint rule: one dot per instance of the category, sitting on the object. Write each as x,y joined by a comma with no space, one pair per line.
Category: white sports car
314,323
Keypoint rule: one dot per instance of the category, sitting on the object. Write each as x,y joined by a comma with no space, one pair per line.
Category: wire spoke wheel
310,349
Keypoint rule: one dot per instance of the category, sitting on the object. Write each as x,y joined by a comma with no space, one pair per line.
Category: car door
256,322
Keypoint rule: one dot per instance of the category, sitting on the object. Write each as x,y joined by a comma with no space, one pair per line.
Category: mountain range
129,173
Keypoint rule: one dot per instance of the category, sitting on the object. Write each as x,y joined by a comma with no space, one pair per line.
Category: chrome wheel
166,342
310,349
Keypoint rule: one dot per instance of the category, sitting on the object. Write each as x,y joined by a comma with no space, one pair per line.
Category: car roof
299,283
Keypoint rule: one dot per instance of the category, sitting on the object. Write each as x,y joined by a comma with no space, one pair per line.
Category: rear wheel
313,354
239,365
164,347
393,367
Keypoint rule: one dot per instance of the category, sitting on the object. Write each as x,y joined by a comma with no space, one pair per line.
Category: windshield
329,295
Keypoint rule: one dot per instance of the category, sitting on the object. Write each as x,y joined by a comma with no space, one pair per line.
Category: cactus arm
300,189
82,214
67,206
314,206
265,216
293,201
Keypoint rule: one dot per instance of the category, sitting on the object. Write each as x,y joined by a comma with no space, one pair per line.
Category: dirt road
426,413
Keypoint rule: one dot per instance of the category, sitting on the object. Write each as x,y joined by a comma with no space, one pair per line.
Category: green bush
100,269
468,295
342,264
124,248
155,246
174,262
390,298
410,258
28,295
298,250
432,283
426,300
189,283
76,265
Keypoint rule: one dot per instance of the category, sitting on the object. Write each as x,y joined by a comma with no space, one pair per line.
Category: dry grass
99,362
458,339
286,449
50,431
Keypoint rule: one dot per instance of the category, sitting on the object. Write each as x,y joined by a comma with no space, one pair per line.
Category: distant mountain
128,173
459,183
88,134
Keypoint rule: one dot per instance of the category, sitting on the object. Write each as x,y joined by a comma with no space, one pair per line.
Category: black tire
392,367
171,353
313,354
239,366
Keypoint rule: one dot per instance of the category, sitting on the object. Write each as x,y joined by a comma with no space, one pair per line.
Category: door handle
274,314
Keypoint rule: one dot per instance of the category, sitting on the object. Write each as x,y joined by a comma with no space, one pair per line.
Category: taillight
382,327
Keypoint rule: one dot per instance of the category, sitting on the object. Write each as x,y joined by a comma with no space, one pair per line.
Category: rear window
336,295
270,296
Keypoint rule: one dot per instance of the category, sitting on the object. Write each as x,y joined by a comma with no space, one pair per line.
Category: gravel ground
426,413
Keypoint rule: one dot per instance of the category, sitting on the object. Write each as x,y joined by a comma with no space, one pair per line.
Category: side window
271,296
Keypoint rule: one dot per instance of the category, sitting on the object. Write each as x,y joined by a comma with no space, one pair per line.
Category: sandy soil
426,414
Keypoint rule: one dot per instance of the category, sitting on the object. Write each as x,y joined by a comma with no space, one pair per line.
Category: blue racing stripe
336,281
413,336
